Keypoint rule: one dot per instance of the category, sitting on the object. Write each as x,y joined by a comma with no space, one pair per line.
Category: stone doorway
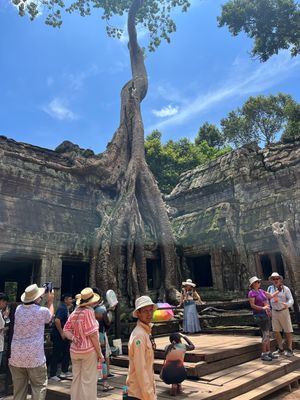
153,274
16,274
268,263
74,276
200,269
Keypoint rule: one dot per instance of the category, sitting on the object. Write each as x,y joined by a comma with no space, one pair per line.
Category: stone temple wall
227,208
222,214
47,215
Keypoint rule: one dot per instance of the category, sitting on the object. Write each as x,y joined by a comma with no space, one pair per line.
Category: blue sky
64,84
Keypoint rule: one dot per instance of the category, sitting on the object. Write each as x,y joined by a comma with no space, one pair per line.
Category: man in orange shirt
140,380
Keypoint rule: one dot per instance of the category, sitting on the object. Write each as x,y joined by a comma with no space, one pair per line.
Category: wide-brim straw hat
87,297
141,302
188,282
275,275
252,280
32,293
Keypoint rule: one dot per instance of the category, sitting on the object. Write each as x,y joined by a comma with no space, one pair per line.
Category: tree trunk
119,242
291,260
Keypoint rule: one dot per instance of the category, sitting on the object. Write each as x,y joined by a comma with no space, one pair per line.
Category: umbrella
163,315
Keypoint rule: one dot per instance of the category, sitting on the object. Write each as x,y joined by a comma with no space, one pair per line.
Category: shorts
264,323
281,321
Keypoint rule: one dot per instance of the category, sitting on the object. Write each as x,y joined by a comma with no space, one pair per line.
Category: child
173,371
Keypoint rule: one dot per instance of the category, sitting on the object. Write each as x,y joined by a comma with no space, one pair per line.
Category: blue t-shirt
62,313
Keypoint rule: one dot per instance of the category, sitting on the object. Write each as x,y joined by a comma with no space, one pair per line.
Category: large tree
171,159
211,133
272,24
261,120
134,205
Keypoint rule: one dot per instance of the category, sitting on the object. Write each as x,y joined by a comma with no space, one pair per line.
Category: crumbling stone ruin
238,216
235,217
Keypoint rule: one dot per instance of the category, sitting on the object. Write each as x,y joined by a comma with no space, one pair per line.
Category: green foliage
168,161
292,129
273,24
154,15
211,134
260,120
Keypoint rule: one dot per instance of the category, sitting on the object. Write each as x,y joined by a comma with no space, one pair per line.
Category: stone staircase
224,367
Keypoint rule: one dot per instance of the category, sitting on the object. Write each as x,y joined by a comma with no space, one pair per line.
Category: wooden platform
212,353
222,367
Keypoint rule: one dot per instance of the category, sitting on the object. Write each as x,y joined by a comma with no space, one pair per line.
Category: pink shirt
27,346
82,324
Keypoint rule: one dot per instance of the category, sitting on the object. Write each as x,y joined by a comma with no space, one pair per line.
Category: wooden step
123,361
212,353
271,387
235,381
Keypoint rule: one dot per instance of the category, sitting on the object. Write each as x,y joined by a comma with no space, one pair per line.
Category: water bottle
104,370
100,370
125,393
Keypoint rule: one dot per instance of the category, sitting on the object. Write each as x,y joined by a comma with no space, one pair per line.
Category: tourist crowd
79,337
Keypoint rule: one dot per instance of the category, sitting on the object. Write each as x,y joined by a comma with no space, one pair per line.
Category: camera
48,287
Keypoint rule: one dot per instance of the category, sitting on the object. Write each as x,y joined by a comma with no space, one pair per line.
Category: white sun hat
141,302
32,293
188,282
253,279
275,275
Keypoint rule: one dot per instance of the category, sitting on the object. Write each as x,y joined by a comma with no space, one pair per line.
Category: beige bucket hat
141,302
87,297
32,293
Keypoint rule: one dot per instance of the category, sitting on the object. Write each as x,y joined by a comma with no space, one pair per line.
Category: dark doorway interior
200,268
75,277
266,265
153,274
271,263
279,264
16,275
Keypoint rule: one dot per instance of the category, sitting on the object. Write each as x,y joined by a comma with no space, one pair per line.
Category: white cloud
245,79
167,111
58,109
77,80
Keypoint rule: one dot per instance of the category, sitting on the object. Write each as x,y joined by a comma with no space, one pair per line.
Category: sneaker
64,375
278,352
266,357
288,353
54,378
273,354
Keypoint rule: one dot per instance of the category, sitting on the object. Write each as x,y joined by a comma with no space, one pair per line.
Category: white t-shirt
2,324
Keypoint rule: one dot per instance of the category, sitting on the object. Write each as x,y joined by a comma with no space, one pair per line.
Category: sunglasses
275,279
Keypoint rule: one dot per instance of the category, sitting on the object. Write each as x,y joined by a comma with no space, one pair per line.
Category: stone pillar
51,270
216,269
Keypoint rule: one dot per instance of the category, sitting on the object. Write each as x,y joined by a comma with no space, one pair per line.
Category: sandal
106,388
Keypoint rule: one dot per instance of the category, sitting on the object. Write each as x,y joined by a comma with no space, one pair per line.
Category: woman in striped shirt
82,329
